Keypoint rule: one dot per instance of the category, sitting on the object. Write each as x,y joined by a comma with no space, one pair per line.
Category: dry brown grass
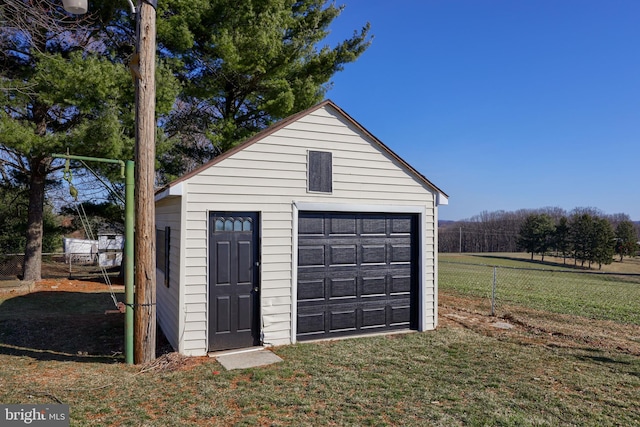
541,327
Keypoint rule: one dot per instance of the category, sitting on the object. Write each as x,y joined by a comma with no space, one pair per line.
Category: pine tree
581,231
601,243
562,240
64,86
536,234
626,239
66,83
245,65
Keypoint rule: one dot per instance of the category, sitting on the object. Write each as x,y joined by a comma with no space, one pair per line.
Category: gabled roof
283,123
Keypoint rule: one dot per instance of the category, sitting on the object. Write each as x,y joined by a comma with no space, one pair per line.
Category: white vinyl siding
168,298
268,176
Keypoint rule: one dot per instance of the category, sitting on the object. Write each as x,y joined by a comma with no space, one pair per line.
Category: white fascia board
172,191
441,199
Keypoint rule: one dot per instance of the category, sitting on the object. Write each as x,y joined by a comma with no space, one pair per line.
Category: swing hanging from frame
82,215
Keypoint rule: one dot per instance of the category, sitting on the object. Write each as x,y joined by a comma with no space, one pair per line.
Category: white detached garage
311,229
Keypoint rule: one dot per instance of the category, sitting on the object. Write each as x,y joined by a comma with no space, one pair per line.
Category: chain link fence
10,265
496,290
81,266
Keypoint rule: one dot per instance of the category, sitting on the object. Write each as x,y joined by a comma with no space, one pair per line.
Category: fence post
493,292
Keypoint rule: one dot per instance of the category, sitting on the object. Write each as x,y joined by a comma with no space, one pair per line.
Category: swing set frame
127,173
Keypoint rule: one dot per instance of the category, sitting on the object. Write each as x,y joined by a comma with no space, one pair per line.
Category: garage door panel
400,285
311,255
400,253
373,286
365,278
311,290
400,315
342,224
311,323
343,254
309,226
343,288
343,319
401,226
374,226
374,317
374,254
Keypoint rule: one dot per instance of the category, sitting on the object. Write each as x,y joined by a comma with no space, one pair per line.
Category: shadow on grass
64,326
602,359
538,262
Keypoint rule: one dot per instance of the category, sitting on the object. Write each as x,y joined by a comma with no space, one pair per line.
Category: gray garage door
357,273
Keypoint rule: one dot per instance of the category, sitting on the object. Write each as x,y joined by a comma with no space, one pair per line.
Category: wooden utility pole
145,150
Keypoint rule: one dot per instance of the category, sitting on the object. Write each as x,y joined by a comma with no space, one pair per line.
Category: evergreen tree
581,231
592,238
536,234
562,241
601,243
64,86
13,209
244,65
14,202
626,239
66,83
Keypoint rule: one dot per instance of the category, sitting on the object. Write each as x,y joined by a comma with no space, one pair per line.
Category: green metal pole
129,225
91,159
127,172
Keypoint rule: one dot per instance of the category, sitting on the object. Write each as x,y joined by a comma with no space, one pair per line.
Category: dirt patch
541,327
69,285
15,287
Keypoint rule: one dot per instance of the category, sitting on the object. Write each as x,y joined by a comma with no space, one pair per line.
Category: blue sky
503,104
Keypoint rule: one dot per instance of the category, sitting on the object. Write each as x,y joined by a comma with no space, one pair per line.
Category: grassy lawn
452,376
61,347
550,286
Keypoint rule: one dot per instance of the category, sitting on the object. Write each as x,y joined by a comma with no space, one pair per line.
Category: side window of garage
163,240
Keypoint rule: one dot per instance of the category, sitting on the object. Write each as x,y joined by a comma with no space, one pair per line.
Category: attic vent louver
320,172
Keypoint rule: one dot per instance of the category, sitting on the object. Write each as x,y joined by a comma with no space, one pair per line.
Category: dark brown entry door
233,280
